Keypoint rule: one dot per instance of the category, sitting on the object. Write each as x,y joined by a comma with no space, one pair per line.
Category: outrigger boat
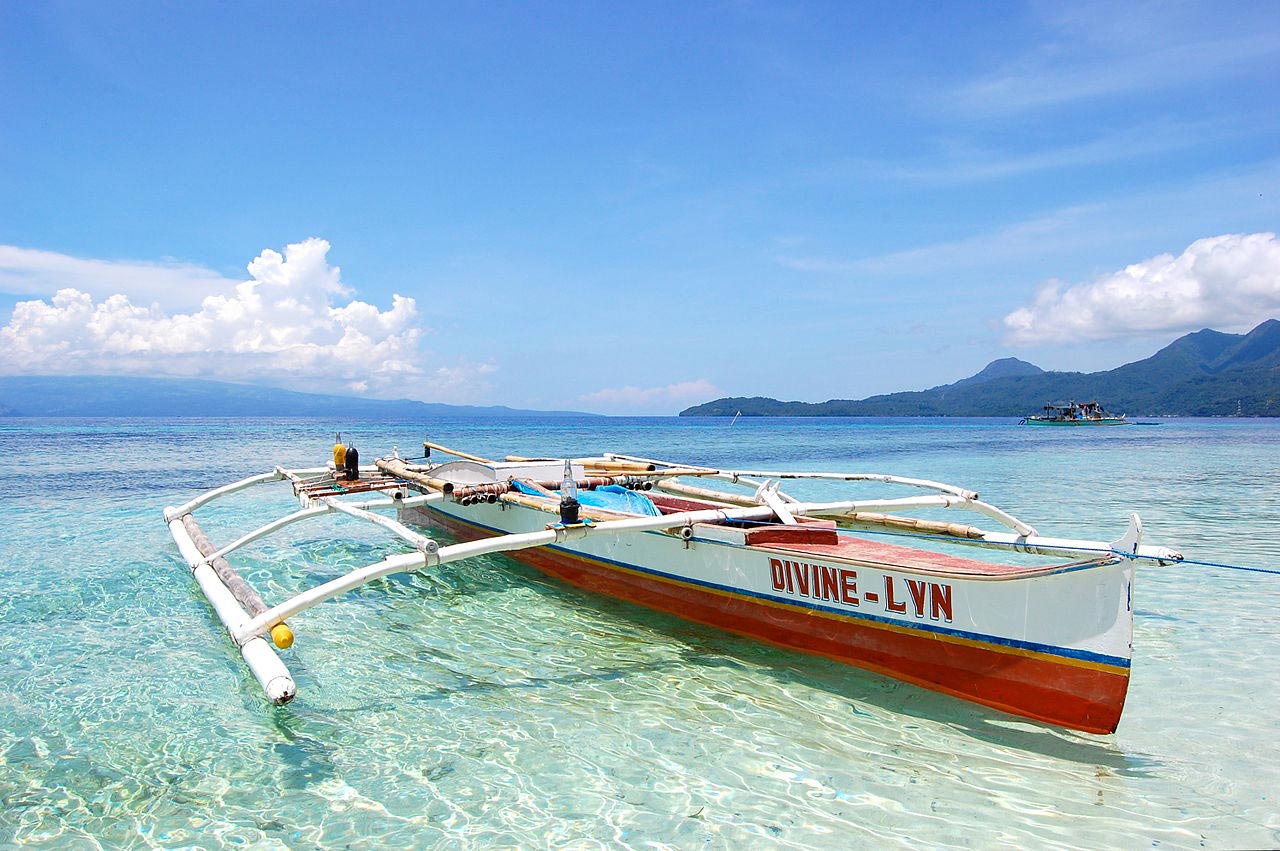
1076,414
1050,642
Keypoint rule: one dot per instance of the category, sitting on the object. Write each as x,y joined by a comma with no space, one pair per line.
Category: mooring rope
1230,566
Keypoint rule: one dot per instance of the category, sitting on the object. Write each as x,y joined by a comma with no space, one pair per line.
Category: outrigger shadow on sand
1051,642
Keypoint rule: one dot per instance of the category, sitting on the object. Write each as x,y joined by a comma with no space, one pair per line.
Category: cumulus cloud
1229,283
631,399
287,325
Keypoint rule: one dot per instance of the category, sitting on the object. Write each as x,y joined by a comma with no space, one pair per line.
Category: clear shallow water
486,706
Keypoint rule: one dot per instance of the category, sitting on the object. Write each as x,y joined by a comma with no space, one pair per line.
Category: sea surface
483,706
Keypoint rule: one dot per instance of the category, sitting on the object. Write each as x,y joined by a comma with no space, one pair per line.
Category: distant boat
1075,414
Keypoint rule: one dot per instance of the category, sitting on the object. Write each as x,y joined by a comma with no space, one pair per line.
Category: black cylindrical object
353,463
568,510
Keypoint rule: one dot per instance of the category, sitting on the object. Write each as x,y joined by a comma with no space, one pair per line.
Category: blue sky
630,208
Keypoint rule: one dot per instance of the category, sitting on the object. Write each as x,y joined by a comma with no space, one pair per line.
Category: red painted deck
895,555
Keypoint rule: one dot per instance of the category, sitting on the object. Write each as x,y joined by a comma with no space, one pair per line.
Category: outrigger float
1051,642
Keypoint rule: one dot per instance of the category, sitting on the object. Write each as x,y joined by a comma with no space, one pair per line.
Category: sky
630,208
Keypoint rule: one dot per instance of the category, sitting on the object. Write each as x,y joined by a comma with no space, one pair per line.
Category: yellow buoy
282,636
339,454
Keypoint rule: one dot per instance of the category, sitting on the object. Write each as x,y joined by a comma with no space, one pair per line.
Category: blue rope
1231,566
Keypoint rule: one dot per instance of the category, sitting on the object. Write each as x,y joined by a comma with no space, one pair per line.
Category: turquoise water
485,706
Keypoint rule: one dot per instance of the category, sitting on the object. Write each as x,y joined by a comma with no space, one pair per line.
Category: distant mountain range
104,396
1204,374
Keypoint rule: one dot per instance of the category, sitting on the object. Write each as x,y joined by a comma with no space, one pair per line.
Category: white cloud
30,272
1013,242
1229,282
281,327
1089,52
631,399
959,161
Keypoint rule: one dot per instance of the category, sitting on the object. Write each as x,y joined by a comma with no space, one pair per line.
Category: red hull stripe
1054,653
1038,686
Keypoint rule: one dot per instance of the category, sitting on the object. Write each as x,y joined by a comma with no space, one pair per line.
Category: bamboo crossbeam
428,445
396,467
911,524
656,474
618,466
540,503
673,486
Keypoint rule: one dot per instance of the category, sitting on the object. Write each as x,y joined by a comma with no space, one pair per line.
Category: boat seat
806,531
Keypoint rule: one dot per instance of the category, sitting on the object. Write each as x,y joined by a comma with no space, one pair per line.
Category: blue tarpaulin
608,497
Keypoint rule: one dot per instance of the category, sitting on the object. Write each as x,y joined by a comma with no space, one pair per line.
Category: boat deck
896,556
367,483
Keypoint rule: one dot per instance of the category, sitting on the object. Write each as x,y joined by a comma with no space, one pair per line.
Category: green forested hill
1204,374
